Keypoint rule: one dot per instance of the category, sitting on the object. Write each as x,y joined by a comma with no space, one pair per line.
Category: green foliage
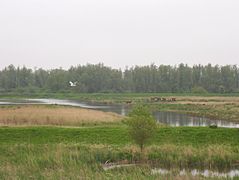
213,126
199,90
98,78
142,126
221,89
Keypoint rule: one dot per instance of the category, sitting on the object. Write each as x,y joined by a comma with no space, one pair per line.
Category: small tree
141,125
199,90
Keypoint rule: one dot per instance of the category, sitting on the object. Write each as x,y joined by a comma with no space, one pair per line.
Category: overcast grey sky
61,33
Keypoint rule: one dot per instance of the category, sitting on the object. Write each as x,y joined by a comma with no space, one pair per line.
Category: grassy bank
57,153
109,97
117,135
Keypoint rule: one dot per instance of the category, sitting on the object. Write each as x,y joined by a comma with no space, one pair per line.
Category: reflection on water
170,118
69,103
176,119
206,173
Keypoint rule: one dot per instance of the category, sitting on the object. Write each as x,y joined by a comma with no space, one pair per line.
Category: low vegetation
57,153
53,115
117,135
74,161
28,151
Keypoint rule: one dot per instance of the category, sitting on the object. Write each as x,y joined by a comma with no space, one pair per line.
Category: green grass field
77,153
50,152
117,135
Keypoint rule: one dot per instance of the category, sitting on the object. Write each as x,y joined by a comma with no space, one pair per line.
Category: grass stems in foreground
75,161
180,147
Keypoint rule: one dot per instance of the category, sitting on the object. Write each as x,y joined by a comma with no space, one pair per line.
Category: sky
61,33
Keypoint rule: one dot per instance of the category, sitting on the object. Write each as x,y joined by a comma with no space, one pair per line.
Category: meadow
54,152
61,142
74,161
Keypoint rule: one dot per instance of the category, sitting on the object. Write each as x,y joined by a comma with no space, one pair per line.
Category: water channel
170,118
205,173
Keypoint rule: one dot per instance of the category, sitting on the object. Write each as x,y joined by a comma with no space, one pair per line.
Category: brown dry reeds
54,115
210,100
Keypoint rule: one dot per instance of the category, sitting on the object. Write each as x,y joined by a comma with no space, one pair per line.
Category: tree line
93,78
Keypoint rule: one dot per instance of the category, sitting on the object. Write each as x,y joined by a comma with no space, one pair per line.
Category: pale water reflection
170,118
177,119
206,173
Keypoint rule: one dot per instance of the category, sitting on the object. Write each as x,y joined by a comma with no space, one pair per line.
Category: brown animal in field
152,99
173,99
163,99
128,101
155,99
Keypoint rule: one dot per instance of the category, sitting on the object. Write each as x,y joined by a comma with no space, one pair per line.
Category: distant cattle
155,99
128,101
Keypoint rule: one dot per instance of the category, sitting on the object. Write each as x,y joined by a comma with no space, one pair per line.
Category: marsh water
170,118
206,173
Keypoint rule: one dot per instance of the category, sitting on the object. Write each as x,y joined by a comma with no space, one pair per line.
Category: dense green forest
100,78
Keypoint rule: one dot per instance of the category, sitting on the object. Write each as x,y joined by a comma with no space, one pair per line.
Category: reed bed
170,156
75,161
53,115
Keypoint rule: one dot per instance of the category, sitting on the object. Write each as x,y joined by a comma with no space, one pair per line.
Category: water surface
170,118
206,173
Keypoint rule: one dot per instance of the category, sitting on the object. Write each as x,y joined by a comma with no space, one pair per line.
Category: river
169,118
